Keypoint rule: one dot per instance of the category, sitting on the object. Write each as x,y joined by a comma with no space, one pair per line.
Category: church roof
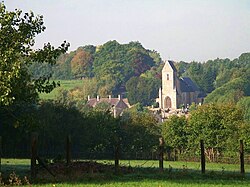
171,63
202,95
190,83
187,85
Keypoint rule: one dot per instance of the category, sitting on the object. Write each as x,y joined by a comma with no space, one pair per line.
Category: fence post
34,137
116,158
0,153
161,150
175,155
242,168
203,161
68,149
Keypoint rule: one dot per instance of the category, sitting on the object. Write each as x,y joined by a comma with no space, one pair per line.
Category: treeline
221,126
215,73
94,132
224,80
135,72
110,65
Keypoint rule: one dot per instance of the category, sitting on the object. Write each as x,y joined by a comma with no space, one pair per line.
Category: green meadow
64,84
145,173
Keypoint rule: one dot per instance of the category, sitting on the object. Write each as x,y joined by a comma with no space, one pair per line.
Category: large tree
17,38
219,125
81,63
142,90
174,131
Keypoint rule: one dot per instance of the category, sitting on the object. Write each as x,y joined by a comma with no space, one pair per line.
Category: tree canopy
17,38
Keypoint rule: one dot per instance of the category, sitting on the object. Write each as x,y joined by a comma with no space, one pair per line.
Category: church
177,92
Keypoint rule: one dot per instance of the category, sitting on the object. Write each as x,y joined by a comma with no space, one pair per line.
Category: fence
117,154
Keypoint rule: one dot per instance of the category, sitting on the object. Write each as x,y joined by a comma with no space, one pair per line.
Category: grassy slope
182,174
65,84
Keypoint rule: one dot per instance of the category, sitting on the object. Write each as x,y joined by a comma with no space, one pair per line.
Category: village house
117,105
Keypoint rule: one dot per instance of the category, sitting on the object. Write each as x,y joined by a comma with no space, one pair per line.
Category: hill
132,70
111,64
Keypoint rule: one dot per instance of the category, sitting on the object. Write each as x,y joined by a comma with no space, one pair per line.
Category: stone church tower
167,94
177,92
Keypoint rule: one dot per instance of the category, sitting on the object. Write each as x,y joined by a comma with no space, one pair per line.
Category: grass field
146,173
65,84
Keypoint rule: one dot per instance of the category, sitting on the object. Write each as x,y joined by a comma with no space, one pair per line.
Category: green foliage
181,67
90,49
77,90
81,64
215,73
195,71
156,57
109,76
221,126
111,64
17,37
140,131
142,90
217,125
62,69
144,173
94,132
174,132
115,64
232,91
103,106
66,85
244,104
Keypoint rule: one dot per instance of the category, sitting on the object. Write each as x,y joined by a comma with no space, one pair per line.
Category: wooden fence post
116,158
0,152
203,161
161,151
34,138
242,168
68,149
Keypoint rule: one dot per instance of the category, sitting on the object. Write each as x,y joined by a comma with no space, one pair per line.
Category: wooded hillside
114,68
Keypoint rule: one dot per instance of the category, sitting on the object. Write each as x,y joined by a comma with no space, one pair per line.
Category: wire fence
161,158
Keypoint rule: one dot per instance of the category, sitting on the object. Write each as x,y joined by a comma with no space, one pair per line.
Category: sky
180,30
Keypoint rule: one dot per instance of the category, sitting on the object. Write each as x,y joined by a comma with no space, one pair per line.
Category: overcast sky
178,29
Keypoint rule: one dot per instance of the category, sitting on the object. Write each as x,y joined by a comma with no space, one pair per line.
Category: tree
17,37
244,104
174,131
114,64
231,92
181,67
208,79
81,64
195,72
140,131
109,76
142,90
219,125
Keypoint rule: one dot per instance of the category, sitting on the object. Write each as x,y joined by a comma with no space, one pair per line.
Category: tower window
167,76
